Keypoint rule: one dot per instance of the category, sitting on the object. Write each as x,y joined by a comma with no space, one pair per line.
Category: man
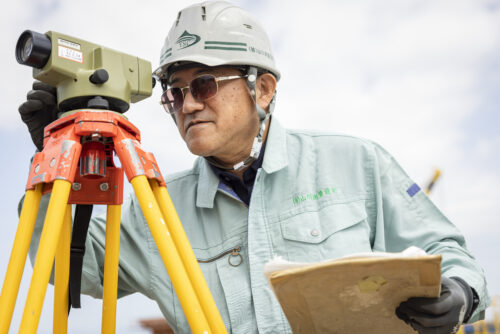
259,190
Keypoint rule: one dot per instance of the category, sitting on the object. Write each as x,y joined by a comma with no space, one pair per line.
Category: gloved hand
39,110
441,315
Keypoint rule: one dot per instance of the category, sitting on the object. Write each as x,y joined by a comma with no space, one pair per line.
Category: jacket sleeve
134,260
406,217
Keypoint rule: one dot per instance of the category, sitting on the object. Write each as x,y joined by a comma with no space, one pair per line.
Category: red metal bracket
63,149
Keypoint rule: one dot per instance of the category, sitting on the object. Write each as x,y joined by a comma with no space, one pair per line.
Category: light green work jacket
317,196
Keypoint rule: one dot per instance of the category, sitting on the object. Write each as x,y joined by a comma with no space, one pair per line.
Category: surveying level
94,86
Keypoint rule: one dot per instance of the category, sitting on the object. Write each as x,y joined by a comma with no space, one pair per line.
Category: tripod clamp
101,181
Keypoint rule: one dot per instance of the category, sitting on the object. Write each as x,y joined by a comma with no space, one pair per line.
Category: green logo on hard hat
187,40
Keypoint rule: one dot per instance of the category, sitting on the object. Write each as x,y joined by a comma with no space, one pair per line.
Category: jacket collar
275,158
207,185
276,155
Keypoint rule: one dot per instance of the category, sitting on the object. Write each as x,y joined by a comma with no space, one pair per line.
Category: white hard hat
214,34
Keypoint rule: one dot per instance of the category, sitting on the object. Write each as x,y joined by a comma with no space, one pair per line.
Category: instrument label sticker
69,44
70,54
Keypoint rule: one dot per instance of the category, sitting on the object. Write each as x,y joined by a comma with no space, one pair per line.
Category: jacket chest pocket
331,232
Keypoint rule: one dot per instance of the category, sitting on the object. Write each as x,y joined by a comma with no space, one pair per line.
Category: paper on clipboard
356,294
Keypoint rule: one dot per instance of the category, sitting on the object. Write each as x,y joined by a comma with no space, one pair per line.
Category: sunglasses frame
189,86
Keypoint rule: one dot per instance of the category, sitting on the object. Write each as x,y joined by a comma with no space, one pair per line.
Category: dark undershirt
242,188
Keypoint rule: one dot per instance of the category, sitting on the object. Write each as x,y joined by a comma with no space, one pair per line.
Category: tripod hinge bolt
104,186
77,186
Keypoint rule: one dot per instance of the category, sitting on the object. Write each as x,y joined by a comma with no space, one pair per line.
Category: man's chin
200,150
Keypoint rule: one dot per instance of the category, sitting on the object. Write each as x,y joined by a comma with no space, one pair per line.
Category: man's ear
265,87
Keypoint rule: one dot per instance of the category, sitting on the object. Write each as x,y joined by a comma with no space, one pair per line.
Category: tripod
86,139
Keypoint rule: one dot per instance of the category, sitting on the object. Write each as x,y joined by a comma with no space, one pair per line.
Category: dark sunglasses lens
203,87
172,100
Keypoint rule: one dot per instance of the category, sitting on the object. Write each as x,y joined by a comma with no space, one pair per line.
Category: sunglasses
201,88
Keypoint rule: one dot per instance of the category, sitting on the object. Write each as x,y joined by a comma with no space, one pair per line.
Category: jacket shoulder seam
328,134
180,175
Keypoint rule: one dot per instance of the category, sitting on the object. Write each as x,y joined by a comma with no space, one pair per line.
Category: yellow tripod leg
17,260
188,258
45,256
111,253
61,279
175,268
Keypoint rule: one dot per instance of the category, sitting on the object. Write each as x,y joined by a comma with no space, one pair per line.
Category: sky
420,77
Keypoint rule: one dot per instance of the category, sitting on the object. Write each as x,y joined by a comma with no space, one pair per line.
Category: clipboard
358,294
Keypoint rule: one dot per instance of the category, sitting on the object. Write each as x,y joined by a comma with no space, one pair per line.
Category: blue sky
421,77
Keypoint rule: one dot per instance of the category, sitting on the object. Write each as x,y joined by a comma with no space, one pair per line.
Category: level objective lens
33,49
28,47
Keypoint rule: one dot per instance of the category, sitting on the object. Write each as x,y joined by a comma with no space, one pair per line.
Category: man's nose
191,104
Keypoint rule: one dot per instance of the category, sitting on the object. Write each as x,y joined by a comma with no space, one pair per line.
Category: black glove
39,110
441,315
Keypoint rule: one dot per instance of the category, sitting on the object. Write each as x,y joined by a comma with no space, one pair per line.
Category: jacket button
314,232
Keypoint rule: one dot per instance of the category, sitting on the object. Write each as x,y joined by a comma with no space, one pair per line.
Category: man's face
223,126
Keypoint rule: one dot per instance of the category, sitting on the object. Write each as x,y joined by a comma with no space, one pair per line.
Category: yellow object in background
432,182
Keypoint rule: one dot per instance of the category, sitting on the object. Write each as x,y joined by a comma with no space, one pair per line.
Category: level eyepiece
33,49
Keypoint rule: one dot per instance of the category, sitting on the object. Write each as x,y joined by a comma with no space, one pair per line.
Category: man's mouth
195,122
